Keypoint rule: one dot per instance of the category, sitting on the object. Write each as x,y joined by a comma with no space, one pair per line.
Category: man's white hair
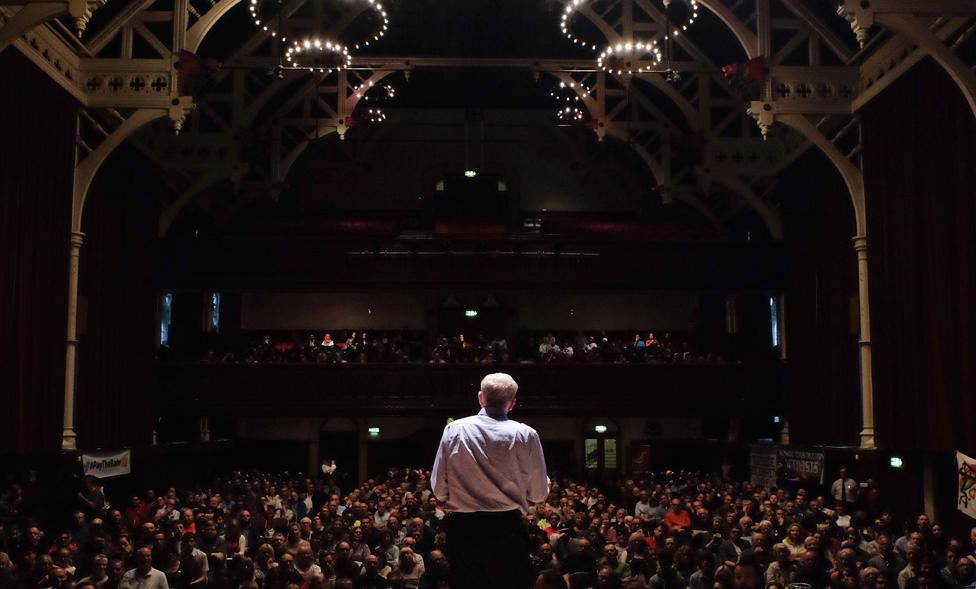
498,390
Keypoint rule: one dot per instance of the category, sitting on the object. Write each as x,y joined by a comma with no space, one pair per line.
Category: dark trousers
488,550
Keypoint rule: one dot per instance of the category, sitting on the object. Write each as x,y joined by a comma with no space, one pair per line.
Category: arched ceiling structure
251,127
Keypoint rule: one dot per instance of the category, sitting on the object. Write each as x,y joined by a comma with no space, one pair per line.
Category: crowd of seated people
405,346
616,348
339,347
470,350
661,530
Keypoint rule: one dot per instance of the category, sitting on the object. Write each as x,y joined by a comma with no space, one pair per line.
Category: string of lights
630,57
318,55
565,24
316,52
636,56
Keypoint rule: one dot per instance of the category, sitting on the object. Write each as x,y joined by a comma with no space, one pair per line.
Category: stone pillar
864,343
314,460
203,426
362,456
68,436
579,449
735,427
929,488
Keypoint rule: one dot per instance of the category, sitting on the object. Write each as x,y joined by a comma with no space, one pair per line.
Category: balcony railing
411,388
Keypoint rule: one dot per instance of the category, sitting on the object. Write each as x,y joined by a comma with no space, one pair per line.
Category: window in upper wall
213,322
165,317
774,321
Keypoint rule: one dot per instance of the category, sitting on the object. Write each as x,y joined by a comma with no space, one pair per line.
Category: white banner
106,464
966,497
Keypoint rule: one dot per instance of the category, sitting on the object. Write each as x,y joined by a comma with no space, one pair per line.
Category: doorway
601,447
343,447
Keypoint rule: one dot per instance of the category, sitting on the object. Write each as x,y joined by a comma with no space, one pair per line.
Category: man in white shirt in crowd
99,573
144,576
488,470
383,513
643,508
844,490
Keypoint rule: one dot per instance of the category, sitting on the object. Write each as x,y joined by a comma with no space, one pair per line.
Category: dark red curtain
822,374
116,378
37,131
920,173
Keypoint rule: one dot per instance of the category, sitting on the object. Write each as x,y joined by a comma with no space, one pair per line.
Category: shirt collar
496,414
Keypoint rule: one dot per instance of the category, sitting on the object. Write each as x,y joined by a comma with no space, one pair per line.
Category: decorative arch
961,74
736,185
750,44
86,169
852,176
704,210
199,30
323,129
693,116
201,185
748,39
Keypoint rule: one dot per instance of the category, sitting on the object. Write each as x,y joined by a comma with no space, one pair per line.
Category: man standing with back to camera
488,470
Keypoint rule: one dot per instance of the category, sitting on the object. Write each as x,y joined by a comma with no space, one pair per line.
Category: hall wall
664,310
37,122
823,391
536,310
920,175
118,333
332,310
413,440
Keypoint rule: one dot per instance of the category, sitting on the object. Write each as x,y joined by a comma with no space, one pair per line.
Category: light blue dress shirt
488,462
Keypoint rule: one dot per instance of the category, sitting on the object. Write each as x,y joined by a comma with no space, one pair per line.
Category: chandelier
382,22
569,101
636,56
565,24
375,116
317,52
628,58
565,93
372,96
686,16
263,13
366,92
572,114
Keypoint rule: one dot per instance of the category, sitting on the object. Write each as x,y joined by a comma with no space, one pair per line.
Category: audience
661,530
405,346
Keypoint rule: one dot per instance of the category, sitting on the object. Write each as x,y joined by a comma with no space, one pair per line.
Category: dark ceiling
469,28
